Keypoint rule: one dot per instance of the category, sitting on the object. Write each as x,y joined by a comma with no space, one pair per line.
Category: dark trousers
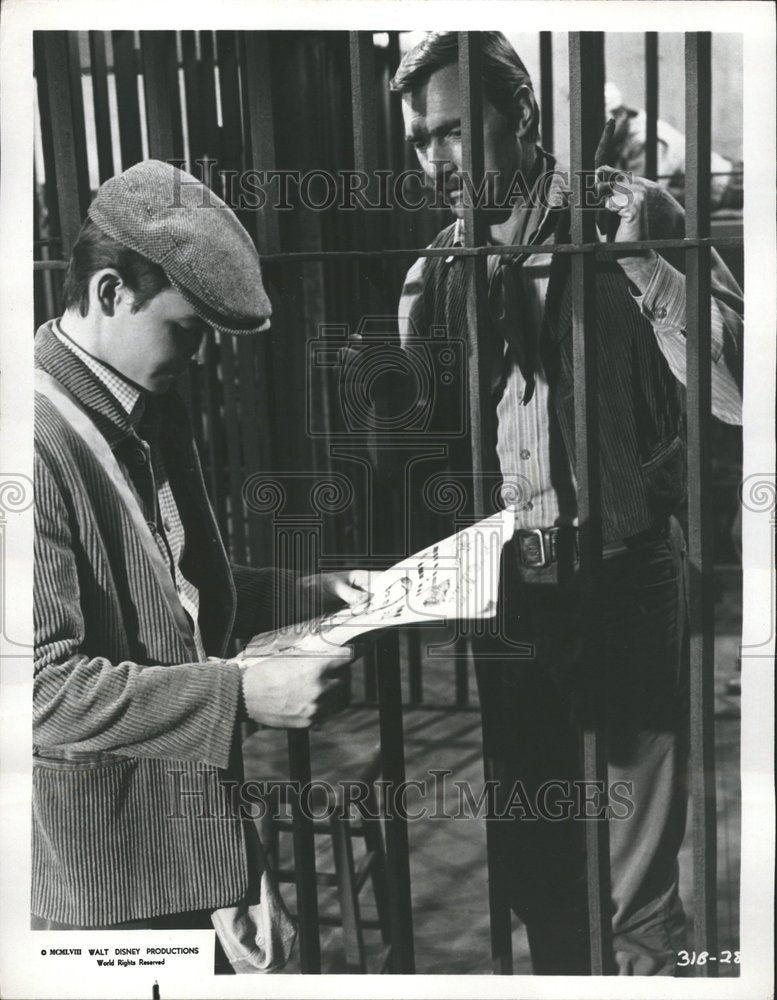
535,699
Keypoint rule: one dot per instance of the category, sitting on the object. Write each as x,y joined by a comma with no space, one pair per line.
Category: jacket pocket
80,762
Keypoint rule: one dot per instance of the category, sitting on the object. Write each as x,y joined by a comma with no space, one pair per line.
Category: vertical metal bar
230,376
257,95
211,397
546,88
102,114
41,289
475,234
261,155
415,666
363,112
463,653
208,113
698,89
160,88
370,668
365,154
194,393
213,386
363,104
395,143
481,422
389,676
397,845
158,52
47,137
586,115
229,88
304,854
194,101
250,421
125,71
79,121
69,152
651,105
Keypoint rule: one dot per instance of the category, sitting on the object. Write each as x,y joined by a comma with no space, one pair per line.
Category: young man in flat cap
136,711
533,709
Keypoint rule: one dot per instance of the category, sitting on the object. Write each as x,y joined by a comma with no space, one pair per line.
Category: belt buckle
541,561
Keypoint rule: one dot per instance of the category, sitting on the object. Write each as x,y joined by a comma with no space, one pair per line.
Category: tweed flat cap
178,223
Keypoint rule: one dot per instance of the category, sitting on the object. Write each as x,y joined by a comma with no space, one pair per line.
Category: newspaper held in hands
456,578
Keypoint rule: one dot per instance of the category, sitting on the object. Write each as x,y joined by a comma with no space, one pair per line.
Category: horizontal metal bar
713,173
612,249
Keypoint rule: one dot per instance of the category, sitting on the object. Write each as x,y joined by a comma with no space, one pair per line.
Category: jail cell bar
59,92
389,677
586,68
586,119
61,104
651,105
698,93
481,419
259,116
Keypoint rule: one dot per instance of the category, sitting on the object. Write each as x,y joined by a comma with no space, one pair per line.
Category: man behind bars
533,708
136,710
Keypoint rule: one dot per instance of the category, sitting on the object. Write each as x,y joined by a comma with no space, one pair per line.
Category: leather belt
538,548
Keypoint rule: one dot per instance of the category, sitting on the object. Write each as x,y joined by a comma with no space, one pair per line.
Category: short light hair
502,70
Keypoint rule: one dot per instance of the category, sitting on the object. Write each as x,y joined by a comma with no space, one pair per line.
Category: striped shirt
534,464
168,531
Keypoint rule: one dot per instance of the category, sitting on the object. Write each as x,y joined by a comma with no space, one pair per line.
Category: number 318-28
692,958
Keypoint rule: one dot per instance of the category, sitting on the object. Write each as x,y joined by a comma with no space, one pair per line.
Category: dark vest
642,453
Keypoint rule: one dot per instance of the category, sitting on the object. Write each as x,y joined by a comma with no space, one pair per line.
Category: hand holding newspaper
456,578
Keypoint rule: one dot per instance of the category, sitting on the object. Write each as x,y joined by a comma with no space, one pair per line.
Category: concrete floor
447,856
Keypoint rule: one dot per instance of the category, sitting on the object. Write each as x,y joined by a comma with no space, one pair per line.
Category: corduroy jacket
133,745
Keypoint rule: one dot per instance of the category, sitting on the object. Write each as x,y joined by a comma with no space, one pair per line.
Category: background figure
628,153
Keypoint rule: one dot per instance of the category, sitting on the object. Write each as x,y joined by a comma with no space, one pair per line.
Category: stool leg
347,891
373,841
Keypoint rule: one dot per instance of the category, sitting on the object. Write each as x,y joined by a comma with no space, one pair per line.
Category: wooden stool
333,765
